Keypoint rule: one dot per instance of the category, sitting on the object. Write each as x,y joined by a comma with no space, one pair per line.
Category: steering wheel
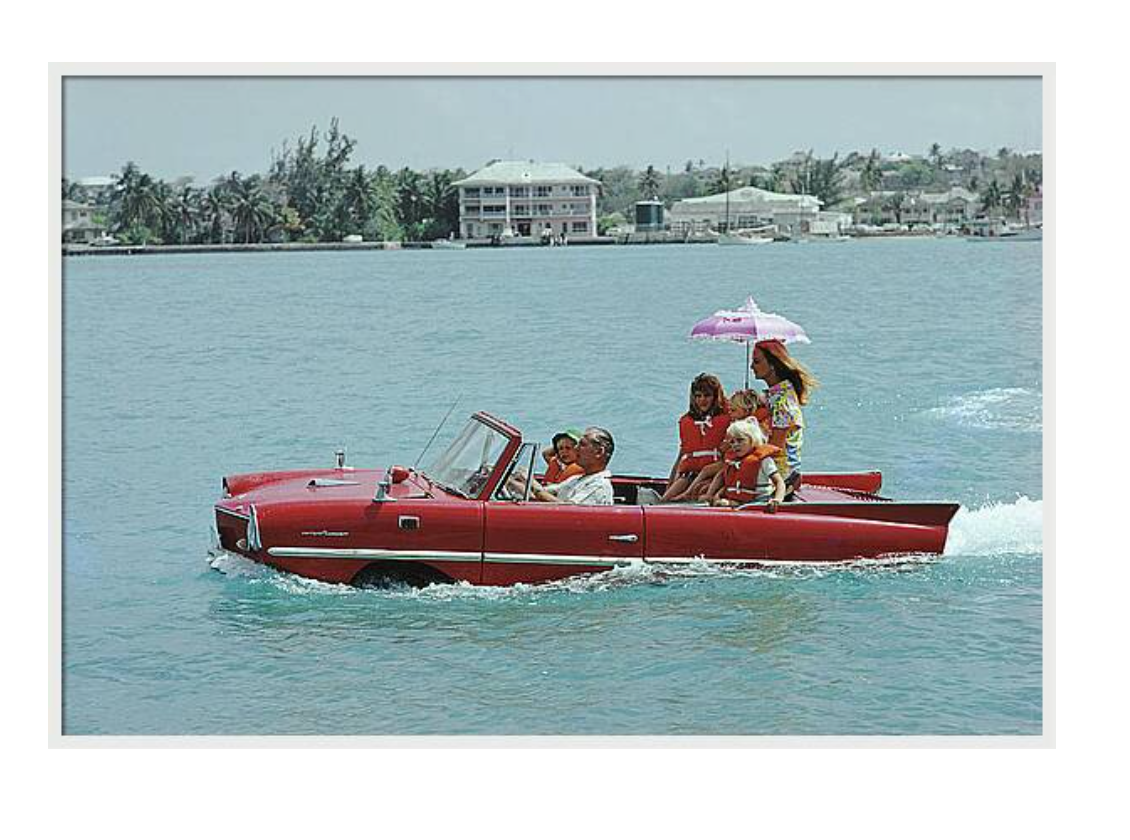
479,478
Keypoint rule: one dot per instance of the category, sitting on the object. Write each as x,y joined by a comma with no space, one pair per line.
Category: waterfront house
524,198
746,208
79,225
953,207
99,189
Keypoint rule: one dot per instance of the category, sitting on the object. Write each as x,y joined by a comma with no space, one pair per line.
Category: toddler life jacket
555,473
740,478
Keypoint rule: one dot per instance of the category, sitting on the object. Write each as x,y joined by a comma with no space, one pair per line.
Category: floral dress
785,413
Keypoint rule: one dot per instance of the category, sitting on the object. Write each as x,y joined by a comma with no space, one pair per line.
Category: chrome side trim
559,559
749,561
372,554
450,556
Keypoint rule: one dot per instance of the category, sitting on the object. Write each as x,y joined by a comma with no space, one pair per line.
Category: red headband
772,344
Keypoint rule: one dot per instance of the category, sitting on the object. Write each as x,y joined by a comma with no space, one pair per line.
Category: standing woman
789,383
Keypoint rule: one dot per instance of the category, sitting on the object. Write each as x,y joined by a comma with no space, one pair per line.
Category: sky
208,126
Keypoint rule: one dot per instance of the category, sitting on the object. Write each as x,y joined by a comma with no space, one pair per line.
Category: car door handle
624,538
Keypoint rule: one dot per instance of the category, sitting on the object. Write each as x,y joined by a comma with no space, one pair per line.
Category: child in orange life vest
740,405
701,431
750,472
561,457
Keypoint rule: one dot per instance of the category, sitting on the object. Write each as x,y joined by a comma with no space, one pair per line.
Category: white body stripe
449,556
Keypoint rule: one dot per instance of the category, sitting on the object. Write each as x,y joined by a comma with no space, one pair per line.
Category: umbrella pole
748,362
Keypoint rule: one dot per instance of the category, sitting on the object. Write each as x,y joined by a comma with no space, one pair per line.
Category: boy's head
743,404
742,436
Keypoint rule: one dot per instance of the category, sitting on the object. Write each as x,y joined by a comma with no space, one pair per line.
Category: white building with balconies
523,198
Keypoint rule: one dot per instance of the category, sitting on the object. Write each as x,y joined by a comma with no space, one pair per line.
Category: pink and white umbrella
749,325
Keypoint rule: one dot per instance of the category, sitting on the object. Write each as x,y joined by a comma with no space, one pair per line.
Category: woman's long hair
708,382
786,367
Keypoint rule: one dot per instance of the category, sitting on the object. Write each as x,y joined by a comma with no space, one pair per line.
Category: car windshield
466,465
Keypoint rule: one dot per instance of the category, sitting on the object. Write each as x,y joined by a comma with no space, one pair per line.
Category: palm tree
214,212
896,203
135,199
649,183
723,181
1016,195
410,203
871,178
935,155
252,212
359,198
992,199
164,215
183,213
442,202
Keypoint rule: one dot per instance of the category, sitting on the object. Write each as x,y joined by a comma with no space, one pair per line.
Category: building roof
748,196
525,172
68,204
97,181
947,196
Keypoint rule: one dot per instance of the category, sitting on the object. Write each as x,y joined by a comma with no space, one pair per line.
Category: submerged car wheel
387,574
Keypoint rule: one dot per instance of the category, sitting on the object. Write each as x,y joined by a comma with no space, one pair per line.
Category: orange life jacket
700,441
555,473
739,478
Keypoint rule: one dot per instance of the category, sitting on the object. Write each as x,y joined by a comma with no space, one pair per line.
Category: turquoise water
181,369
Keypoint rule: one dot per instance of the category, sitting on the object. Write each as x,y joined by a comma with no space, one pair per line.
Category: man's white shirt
595,489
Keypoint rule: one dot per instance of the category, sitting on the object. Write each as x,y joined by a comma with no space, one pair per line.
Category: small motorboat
998,230
448,244
468,517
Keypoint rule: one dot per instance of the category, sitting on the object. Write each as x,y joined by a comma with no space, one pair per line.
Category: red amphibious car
462,520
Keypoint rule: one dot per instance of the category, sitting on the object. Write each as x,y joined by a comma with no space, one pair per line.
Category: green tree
252,212
650,183
411,206
871,177
897,202
723,182
384,225
360,199
821,178
135,206
214,214
935,155
441,199
991,199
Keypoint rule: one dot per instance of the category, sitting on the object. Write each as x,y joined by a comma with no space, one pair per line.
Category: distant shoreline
73,250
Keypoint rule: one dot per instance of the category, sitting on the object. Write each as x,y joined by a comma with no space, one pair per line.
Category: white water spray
998,528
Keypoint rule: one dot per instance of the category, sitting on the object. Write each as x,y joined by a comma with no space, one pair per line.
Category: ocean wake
998,528
1018,409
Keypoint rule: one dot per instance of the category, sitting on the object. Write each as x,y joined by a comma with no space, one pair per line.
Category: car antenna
420,457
